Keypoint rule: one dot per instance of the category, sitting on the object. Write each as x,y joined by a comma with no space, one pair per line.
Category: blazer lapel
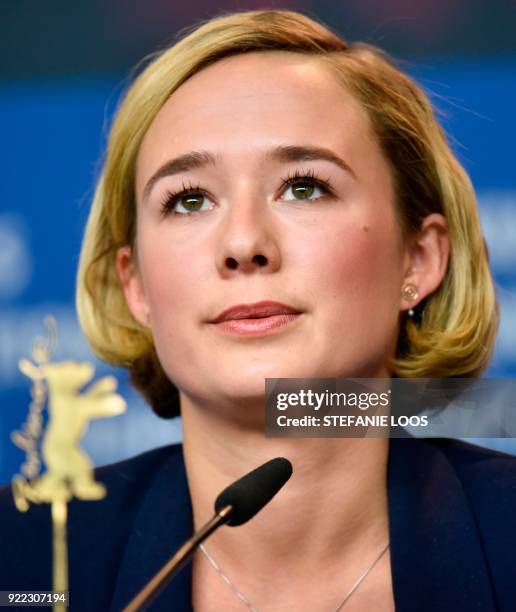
436,555
162,524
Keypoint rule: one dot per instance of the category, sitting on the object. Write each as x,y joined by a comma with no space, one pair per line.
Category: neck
331,513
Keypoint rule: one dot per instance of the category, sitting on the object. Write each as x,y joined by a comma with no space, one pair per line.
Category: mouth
256,319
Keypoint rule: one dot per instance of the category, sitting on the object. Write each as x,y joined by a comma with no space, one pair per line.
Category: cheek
355,281
173,280
171,277
360,261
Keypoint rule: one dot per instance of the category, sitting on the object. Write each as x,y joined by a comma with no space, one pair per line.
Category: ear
132,285
426,260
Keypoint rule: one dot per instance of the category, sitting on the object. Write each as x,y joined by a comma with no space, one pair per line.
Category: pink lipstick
256,319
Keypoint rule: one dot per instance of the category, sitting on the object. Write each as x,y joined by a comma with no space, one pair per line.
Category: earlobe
426,261
132,285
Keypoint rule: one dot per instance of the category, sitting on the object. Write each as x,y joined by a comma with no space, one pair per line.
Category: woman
263,169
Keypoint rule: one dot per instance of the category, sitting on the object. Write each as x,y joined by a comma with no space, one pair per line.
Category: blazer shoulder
140,467
488,478
471,460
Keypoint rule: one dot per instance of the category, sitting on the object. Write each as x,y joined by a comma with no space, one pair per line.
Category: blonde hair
456,327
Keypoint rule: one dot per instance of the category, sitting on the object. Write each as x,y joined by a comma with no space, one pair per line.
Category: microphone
236,505
252,492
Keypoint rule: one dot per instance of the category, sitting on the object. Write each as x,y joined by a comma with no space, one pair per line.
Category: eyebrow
283,153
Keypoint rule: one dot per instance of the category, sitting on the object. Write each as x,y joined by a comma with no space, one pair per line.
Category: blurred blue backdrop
58,90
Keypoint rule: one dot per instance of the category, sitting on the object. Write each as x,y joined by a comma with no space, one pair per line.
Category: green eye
305,186
185,202
192,202
303,190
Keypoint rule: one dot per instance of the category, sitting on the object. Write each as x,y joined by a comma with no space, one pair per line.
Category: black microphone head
252,492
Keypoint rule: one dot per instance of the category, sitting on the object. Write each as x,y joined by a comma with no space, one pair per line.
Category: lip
258,310
261,318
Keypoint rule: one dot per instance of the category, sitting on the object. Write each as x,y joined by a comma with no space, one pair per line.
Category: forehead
250,102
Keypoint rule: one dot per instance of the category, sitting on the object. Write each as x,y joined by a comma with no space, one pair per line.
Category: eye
188,201
303,190
306,185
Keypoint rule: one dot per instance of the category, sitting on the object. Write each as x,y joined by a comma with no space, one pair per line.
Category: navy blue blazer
452,517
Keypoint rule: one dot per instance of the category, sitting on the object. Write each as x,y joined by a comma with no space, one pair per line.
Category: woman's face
328,245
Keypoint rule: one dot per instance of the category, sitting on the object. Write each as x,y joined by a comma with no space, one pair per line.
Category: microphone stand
235,505
156,584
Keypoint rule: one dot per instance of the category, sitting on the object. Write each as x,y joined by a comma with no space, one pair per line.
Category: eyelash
170,198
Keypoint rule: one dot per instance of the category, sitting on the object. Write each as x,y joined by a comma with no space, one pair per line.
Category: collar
436,555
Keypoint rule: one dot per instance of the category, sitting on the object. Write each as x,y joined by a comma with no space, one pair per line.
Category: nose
248,241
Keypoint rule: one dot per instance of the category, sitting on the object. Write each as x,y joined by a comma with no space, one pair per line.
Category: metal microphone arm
156,584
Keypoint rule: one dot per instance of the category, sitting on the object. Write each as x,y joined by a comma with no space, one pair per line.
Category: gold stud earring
410,294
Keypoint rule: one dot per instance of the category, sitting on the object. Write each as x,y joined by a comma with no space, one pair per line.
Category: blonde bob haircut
454,329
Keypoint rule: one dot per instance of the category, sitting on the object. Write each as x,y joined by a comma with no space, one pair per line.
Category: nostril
231,263
260,260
